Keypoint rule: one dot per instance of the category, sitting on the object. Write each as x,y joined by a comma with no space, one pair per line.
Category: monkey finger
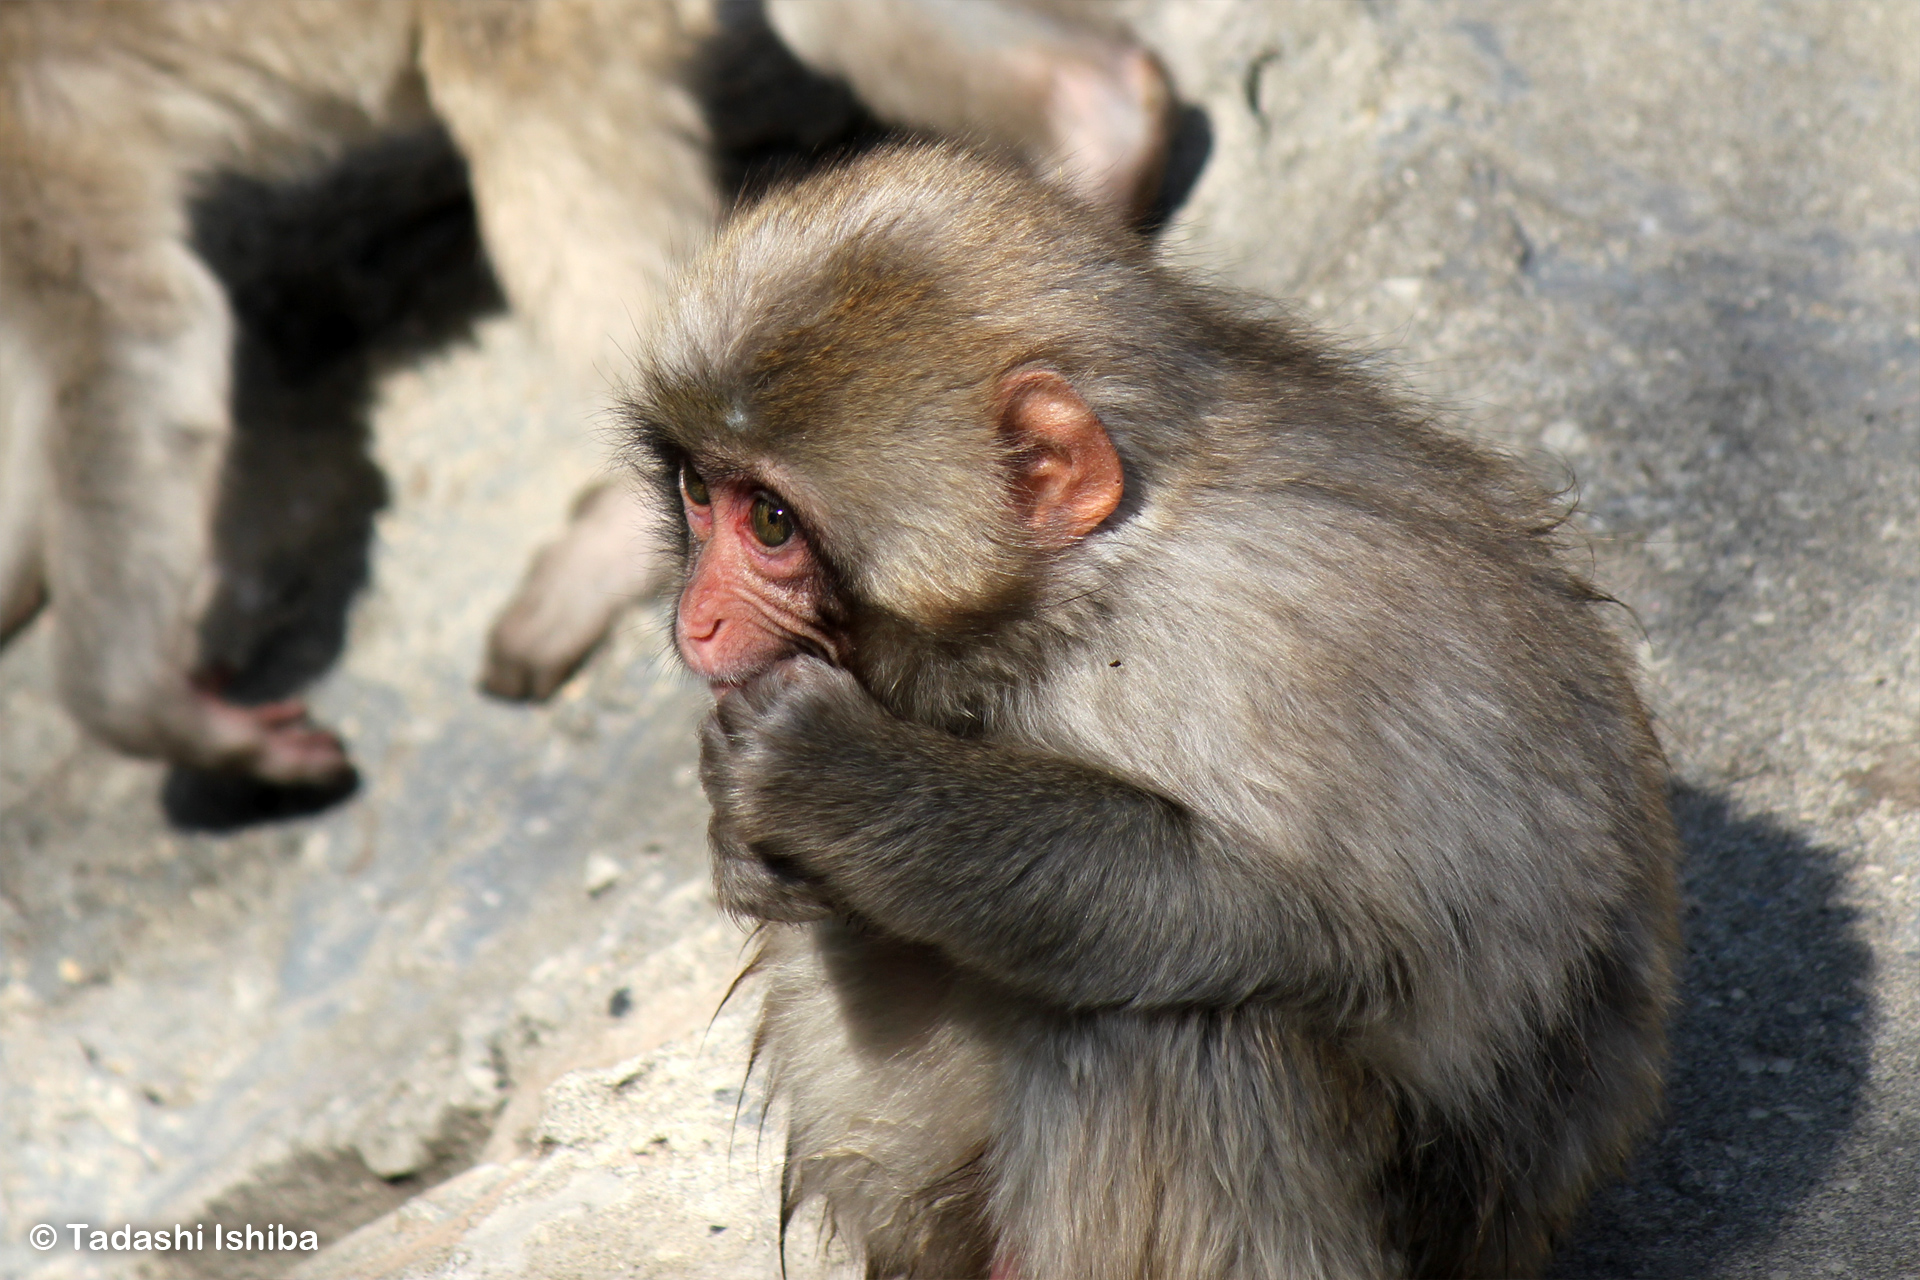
816,675
726,727
725,761
766,690
749,890
753,881
814,704
798,677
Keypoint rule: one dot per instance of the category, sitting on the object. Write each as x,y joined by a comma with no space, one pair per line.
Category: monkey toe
535,648
302,754
288,713
516,678
276,742
573,591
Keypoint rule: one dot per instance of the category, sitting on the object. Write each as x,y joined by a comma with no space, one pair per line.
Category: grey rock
308,1022
654,1167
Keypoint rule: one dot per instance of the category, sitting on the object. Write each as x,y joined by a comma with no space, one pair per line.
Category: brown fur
1275,882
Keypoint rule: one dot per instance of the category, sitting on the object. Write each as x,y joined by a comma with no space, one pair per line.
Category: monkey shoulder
1293,632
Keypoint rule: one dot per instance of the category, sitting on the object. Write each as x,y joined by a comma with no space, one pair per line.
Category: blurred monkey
588,162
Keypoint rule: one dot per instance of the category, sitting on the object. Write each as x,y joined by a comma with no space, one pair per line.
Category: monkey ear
1066,473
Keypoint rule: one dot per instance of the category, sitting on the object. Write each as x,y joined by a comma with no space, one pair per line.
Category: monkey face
754,593
757,591
931,428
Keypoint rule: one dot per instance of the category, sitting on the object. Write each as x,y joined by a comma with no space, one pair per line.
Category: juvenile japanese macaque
588,162
1201,826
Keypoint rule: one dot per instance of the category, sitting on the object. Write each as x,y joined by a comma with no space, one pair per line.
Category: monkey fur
588,162
1248,859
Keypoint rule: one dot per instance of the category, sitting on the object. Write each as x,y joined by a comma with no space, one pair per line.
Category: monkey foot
528,659
1113,122
277,742
573,591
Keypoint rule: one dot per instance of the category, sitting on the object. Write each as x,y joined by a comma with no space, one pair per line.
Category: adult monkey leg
1057,85
26,408
590,174
130,348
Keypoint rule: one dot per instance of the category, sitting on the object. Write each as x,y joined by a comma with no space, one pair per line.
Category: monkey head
758,591
859,447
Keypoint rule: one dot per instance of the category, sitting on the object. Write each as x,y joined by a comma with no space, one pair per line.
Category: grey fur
1277,882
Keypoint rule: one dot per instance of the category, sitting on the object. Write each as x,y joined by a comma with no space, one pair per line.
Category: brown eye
771,523
696,488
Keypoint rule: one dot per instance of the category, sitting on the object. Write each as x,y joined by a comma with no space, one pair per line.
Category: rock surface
1670,252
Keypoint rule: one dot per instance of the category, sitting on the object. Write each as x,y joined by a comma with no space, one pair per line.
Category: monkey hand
760,747
752,883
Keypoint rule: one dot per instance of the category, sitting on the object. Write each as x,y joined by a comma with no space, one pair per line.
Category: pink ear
1066,470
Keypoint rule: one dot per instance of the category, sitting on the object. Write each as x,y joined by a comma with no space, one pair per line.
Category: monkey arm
1062,881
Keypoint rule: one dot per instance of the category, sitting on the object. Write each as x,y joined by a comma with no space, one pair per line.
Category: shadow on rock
212,801
1188,151
329,1194
1770,1050
771,118
332,280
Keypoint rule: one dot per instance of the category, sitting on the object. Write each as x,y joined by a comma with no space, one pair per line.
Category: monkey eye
694,486
771,522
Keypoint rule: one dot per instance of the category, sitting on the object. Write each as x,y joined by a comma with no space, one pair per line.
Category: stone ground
1669,252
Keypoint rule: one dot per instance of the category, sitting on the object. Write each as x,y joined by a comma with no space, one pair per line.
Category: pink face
756,592
758,595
